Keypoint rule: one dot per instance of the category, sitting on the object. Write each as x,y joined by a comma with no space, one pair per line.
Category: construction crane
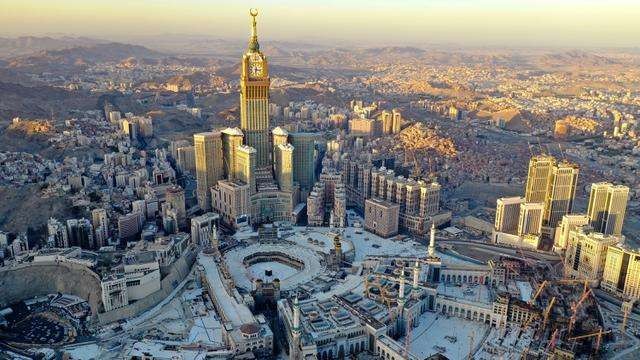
575,308
538,292
552,342
598,333
626,307
547,312
560,281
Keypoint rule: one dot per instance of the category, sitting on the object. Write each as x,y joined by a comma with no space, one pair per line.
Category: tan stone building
209,165
622,272
381,217
231,200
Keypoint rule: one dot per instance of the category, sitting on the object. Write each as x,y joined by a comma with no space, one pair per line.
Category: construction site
572,324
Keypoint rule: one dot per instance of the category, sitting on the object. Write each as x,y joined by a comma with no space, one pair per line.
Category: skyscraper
80,233
569,222
303,159
538,177
607,207
621,273
175,198
254,98
560,193
57,234
100,224
283,156
280,136
507,214
245,166
231,139
530,219
586,253
387,122
209,165
397,121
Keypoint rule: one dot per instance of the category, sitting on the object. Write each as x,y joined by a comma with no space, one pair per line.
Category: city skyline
291,202
574,23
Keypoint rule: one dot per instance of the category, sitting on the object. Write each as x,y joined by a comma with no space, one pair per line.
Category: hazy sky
574,23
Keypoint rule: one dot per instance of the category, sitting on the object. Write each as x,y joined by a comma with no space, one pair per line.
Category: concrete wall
29,280
179,270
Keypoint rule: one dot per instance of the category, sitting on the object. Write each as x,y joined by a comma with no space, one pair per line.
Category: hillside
81,56
27,45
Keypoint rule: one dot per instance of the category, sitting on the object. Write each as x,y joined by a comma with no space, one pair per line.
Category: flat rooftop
238,314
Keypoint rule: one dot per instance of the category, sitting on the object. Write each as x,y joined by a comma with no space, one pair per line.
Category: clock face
255,69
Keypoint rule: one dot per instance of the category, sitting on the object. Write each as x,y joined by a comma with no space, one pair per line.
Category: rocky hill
27,45
48,60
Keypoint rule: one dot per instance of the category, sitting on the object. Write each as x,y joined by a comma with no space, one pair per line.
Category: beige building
231,200
381,217
538,177
530,219
175,198
245,166
330,178
397,121
280,136
561,193
586,253
315,205
622,272
114,292
100,223
419,201
271,205
569,222
202,227
186,159
209,165
283,156
507,214
607,207
339,211
391,121
231,139
365,127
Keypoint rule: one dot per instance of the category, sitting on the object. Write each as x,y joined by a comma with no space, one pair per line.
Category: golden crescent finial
253,12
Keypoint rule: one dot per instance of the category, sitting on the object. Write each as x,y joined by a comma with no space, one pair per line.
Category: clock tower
254,97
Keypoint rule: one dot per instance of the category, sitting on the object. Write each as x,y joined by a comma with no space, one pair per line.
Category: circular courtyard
291,264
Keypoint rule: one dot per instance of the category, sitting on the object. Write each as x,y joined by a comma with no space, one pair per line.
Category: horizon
488,23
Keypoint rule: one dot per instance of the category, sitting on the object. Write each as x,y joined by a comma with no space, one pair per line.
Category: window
133,283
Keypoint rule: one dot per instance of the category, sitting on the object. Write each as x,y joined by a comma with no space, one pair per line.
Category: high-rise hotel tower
254,98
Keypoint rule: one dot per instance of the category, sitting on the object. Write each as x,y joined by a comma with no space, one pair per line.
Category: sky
572,23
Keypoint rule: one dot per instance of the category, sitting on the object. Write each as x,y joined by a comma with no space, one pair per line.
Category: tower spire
416,275
253,41
432,241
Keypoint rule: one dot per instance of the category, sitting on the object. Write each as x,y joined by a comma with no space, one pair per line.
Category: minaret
401,292
432,241
416,275
338,250
400,309
294,347
214,236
